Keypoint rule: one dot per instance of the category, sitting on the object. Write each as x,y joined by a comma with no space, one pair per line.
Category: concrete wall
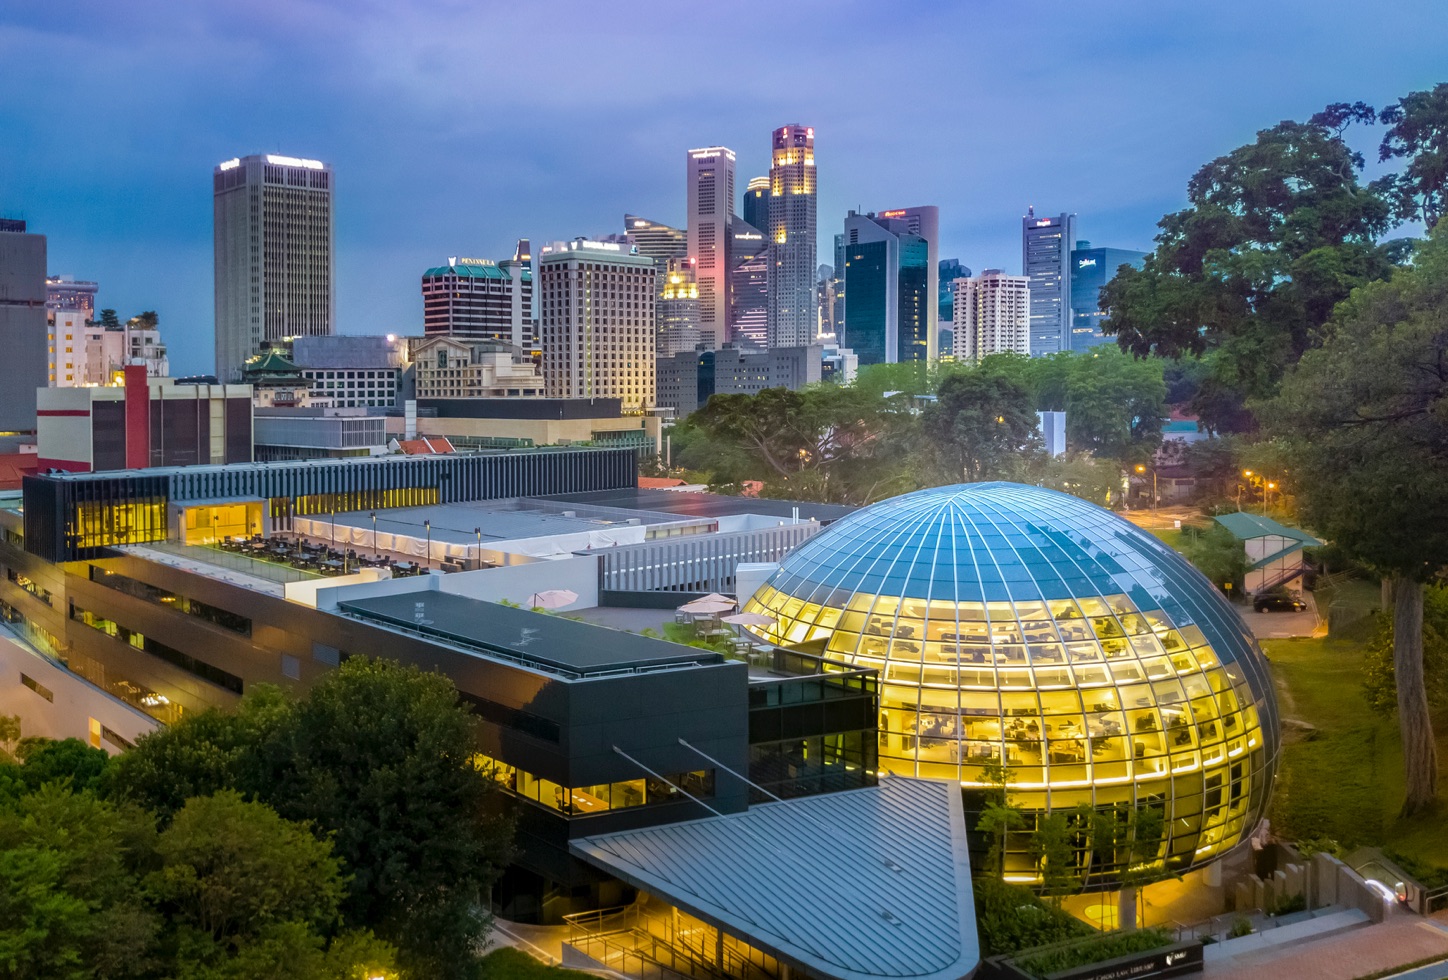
75,709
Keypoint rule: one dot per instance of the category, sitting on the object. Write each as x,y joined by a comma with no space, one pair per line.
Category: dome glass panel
1025,631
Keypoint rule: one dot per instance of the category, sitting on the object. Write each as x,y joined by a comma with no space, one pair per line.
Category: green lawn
1171,536
1344,780
507,963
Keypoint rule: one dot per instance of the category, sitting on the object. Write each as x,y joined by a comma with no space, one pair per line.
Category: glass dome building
1020,627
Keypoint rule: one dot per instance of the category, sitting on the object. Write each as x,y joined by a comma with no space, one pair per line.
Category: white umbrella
551,599
716,597
705,606
750,619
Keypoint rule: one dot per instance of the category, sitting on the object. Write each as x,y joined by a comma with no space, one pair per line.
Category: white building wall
74,708
992,315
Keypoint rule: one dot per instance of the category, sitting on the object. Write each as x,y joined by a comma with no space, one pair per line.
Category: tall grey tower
275,260
23,333
1046,261
791,234
711,205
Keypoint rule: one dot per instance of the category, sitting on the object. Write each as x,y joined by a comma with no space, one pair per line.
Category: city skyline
126,202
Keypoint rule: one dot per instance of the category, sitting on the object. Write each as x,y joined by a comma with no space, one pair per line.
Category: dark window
160,650
159,596
37,687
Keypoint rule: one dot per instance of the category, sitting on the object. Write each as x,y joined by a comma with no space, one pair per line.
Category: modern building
274,254
22,324
825,297
992,315
840,366
655,239
474,424
455,367
888,278
949,270
1092,269
839,325
710,192
356,371
792,232
687,380
482,299
66,293
1046,262
1052,427
755,209
748,284
924,222
83,353
145,422
1033,630
676,310
317,433
597,322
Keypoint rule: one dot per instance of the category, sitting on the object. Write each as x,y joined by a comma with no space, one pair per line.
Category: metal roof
866,883
1244,526
541,641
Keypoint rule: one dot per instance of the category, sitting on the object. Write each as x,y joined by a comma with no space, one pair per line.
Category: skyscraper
887,277
1091,269
756,202
950,270
596,321
68,294
22,324
924,222
839,286
992,315
482,299
748,284
275,262
791,233
1046,262
655,239
710,194
676,310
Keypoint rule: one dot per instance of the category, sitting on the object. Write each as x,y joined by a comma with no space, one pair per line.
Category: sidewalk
1401,939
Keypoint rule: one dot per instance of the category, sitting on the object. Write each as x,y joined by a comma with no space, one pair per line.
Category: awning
856,885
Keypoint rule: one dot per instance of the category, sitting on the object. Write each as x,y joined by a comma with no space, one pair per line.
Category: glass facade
913,316
1019,627
1091,269
583,801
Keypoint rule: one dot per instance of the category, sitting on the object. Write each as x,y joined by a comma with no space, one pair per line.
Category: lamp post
376,551
478,552
1267,489
1141,469
334,529
428,524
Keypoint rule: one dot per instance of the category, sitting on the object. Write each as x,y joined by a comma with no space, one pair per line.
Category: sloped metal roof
866,883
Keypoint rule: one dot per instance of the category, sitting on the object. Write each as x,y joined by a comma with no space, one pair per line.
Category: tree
71,904
1379,682
1365,420
1218,555
70,761
982,426
9,737
1276,234
1418,133
109,320
381,757
1078,474
145,320
1054,852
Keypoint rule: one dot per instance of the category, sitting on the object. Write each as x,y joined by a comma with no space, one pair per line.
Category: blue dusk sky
457,127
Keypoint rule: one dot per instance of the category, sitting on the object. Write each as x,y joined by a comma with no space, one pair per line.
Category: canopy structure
866,883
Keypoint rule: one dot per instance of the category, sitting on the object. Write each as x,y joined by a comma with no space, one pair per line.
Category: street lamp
1266,489
1141,469
478,552
428,524
376,551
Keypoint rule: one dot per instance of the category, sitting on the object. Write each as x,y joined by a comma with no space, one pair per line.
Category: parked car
1278,602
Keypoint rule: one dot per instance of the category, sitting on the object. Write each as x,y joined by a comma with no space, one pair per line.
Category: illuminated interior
1018,627
210,523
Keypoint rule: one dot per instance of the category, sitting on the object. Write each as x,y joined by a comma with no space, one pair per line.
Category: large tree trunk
1420,756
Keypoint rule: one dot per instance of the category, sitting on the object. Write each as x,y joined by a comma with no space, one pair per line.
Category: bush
1011,918
1430,876
1108,947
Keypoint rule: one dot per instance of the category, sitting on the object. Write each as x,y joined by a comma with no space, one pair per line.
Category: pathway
1402,939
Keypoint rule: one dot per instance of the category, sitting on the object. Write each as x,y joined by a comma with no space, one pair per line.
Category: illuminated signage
640,223
810,132
294,162
1044,223
231,164
464,261
1083,263
892,214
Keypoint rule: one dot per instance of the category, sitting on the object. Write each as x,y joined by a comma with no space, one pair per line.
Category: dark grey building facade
22,324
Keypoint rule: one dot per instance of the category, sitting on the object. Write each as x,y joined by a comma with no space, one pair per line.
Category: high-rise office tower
482,299
887,277
825,298
992,315
755,209
950,270
596,321
68,294
23,330
791,232
275,260
748,284
711,204
924,222
1091,269
676,310
655,239
1046,262
839,285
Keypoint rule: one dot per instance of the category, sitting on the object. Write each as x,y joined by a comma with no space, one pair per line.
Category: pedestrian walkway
1401,939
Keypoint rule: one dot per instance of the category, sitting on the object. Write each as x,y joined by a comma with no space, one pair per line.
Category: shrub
1011,918
1108,947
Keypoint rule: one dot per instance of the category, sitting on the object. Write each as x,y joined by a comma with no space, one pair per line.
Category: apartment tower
1046,262
992,315
274,254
